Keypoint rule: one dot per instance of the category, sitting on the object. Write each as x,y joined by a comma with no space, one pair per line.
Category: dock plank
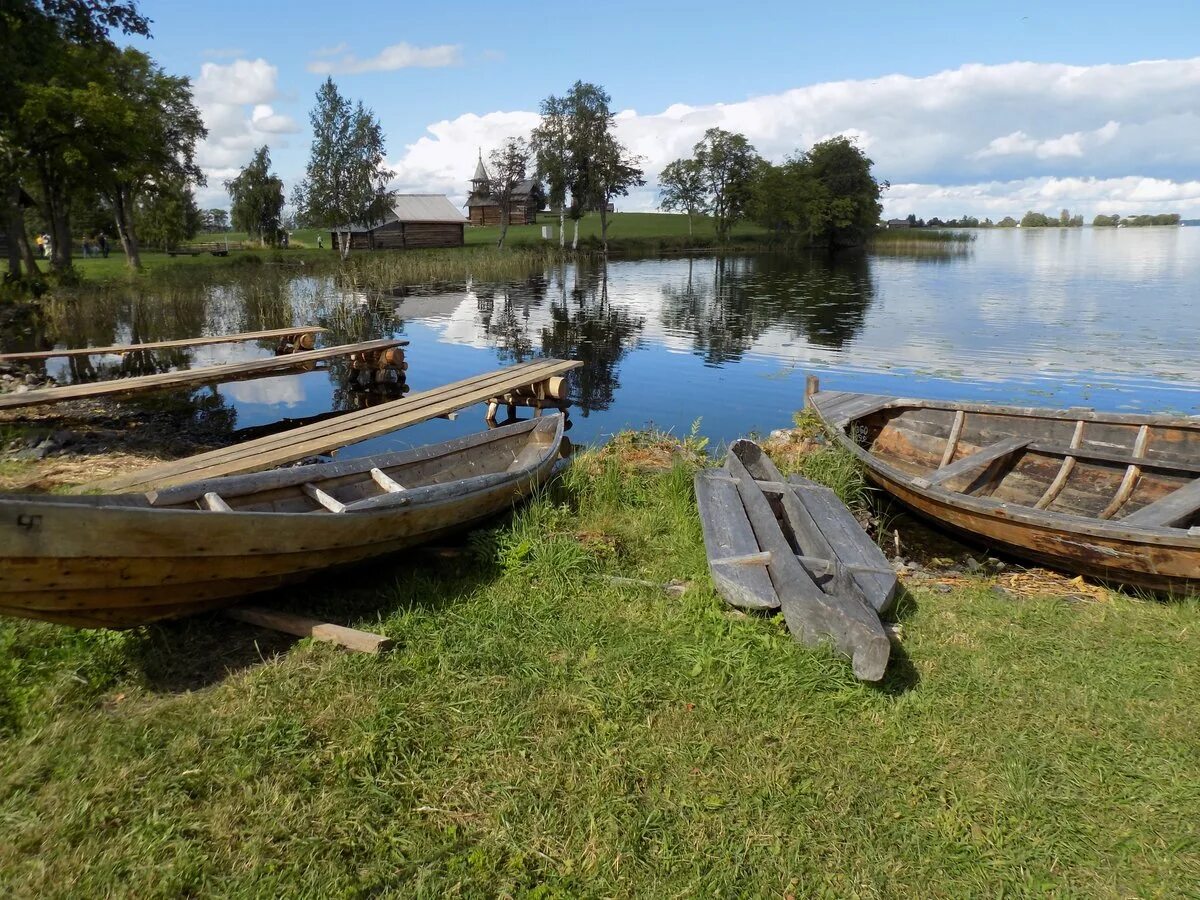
166,345
256,368
340,431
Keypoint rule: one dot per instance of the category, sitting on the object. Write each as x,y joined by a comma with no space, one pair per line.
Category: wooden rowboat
126,559
1114,496
768,549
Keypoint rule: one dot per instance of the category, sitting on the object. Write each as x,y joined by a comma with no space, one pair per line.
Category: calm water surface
1105,318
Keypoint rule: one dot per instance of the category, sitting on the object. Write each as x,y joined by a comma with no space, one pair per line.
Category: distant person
87,248
285,240
41,246
46,247
102,243
320,243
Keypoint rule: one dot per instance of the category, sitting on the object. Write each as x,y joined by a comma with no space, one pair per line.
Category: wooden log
812,385
1064,471
303,626
1132,473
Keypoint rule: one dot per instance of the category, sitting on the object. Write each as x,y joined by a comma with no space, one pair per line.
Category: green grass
636,232
541,731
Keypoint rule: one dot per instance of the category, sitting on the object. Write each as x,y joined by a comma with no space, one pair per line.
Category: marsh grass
541,731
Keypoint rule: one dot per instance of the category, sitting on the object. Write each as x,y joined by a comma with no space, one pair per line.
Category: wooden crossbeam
339,431
385,481
187,377
1171,511
981,458
291,331
1132,473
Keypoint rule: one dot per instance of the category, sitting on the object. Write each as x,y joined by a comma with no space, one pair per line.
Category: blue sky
932,95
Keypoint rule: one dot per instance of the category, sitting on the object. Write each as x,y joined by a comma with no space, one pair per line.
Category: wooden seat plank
166,345
728,538
1171,511
188,377
340,431
1123,459
981,458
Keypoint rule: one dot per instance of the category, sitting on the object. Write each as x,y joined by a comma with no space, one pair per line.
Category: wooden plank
1064,471
981,458
186,377
349,428
1156,463
1132,473
861,556
166,345
1171,511
728,536
302,626
812,615
845,560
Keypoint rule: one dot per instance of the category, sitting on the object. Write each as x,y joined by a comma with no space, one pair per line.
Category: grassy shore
545,730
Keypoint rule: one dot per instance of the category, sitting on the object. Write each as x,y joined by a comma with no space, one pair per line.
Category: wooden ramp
350,428
256,368
296,334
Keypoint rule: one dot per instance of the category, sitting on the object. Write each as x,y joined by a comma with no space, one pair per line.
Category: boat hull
79,562
1110,496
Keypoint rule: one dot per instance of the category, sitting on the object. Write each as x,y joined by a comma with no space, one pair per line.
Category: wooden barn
414,221
483,210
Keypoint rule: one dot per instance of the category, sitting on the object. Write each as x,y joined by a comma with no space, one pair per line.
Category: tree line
825,196
1033,219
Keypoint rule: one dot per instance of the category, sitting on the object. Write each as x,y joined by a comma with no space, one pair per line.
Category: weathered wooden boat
1110,495
126,559
767,549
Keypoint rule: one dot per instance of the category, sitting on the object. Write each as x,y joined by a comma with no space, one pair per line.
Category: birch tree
550,143
510,164
728,163
681,189
346,181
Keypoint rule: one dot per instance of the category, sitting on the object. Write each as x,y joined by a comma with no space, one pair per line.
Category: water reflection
731,304
1078,317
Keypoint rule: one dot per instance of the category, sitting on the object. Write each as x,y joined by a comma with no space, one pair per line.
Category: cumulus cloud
235,101
1075,128
389,59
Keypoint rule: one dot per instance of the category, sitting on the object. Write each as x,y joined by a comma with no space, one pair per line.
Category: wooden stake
812,385
302,626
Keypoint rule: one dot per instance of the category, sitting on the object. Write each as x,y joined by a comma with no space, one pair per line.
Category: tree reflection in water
584,326
725,305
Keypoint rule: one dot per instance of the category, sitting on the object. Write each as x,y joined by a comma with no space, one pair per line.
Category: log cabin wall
404,236
489,214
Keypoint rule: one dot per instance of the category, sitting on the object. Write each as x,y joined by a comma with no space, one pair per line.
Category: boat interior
1141,474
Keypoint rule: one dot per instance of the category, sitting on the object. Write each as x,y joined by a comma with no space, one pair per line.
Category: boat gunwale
997,509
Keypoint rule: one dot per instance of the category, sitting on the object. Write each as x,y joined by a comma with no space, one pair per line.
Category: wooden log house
414,221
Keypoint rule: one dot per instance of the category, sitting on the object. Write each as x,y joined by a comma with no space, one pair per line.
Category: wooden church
483,210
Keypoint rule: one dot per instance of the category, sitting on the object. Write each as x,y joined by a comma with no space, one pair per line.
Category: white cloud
341,47
235,101
389,59
1087,129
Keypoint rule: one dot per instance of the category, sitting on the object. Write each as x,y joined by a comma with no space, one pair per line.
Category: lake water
1051,317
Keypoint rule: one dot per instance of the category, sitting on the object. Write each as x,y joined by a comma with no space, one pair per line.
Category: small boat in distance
119,560
1111,495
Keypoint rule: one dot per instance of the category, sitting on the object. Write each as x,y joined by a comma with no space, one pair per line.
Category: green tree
681,189
346,180
1033,219
257,199
844,206
167,215
510,163
1007,222
40,45
1103,221
143,129
551,146
728,163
